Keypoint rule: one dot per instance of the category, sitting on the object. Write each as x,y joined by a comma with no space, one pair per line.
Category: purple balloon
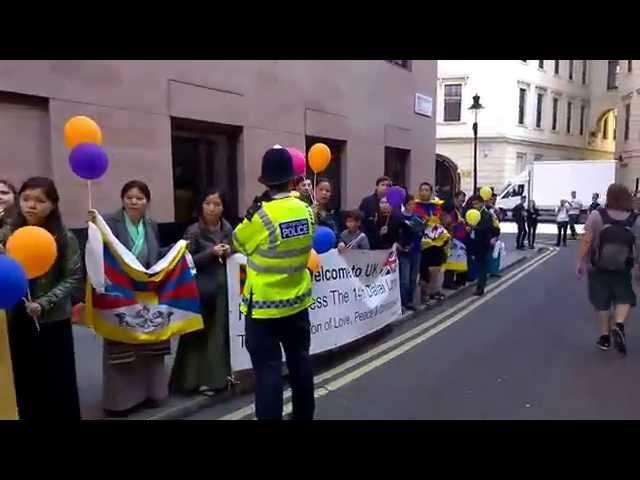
396,196
88,161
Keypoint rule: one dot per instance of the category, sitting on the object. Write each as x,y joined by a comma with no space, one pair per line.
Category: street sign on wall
423,105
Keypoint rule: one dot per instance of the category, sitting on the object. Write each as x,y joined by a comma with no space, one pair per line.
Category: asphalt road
526,351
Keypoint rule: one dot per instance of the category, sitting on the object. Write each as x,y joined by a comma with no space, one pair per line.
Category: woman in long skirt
202,359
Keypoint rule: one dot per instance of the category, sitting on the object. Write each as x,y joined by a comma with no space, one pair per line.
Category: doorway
335,168
204,155
396,162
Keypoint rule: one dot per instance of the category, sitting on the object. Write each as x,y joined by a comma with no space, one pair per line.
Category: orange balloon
34,249
81,129
319,157
314,261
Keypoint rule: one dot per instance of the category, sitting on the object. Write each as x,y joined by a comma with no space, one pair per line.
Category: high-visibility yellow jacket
277,242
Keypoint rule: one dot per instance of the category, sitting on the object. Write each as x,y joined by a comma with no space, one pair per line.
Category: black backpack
615,243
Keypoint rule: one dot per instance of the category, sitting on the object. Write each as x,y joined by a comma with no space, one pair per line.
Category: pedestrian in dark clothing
482,240
533,214
370,207
519,217
388,223
595,204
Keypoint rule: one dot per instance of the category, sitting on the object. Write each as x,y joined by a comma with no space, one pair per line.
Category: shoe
438,297
409,308
619,340
478,293
604,343
531,247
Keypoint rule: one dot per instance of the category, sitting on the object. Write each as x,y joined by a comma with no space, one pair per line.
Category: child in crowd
388,223
353,237
409,252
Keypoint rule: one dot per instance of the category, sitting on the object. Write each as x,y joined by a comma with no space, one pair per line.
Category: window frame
541,65
571,68
404,64
585,64
522,106
556,68
555,110
539,109
569,116
627,121
583,112
612,74
444,99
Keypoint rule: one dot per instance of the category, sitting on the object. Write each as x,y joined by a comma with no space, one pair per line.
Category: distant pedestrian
533,214
575,209
609,249
595,203
562,221
370,206
353,238
519,216
409,247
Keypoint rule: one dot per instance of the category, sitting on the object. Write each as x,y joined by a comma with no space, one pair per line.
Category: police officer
276,236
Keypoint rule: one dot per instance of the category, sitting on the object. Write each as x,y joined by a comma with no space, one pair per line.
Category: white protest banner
354,294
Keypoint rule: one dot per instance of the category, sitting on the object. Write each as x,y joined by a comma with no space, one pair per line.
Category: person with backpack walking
608,251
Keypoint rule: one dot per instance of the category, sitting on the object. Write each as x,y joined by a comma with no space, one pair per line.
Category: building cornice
519,141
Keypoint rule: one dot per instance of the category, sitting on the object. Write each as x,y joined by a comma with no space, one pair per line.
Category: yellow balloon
81,129
34,249
473,217
486,193
314,261
319,157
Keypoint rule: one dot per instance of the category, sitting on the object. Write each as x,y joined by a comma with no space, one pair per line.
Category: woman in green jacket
42,354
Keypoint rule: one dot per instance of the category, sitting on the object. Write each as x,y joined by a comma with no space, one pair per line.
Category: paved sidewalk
89,367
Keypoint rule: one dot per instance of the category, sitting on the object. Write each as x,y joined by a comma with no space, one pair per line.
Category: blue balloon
89,161
324,240
13,282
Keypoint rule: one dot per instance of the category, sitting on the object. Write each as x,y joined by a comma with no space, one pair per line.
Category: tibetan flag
457,257
429,211
8,405
128,303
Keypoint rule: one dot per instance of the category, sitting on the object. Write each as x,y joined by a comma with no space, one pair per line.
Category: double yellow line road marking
355,368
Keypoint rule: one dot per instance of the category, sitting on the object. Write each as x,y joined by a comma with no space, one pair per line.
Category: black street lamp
475,107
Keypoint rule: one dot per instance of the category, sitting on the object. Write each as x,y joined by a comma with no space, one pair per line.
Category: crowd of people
424,230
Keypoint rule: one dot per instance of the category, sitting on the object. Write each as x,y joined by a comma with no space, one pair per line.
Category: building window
612,71
629,66
554,115
582,114
556,67
605,128
539,110
521,162
571,64
452,102
396,165
406,64
584,72
627,119
569,111
541,64
522,104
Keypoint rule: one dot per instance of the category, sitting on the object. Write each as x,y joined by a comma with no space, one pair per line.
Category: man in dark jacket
370,208
519,217
481,242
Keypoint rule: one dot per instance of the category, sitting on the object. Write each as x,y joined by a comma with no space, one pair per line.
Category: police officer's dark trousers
264,337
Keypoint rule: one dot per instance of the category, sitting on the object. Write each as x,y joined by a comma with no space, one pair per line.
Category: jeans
481,261
573,219
532,228
264,337
522,234
562,233
409,269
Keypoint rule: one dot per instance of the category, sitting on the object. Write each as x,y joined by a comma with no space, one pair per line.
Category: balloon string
35,320
90,195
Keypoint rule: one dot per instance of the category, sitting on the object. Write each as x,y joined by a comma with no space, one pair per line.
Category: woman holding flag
40,334
134,374
434,242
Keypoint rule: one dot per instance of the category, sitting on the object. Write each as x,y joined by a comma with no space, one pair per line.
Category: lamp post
475,107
